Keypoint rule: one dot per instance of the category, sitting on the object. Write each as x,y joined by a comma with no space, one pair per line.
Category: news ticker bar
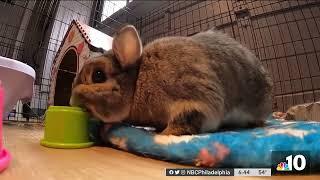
219,172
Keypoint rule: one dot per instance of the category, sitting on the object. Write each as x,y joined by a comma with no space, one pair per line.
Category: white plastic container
17,79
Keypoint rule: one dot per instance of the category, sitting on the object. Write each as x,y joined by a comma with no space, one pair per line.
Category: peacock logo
283,166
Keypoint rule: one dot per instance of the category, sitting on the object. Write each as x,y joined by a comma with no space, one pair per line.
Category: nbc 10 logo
290,162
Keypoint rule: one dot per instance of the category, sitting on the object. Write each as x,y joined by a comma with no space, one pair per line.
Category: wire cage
284,34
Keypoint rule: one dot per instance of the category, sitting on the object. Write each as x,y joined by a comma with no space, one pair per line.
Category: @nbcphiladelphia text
282,163
219,172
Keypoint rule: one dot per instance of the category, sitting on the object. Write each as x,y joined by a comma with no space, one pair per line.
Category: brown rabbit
179,85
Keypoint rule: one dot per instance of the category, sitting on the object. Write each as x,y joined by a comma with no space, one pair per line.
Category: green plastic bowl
66,127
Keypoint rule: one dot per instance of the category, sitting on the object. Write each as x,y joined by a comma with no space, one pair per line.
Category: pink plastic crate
4,154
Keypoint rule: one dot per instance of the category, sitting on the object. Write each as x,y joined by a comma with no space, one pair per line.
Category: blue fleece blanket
238,148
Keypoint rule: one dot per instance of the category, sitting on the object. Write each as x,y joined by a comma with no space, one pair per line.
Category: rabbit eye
98,76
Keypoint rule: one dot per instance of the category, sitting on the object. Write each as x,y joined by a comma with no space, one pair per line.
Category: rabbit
178,85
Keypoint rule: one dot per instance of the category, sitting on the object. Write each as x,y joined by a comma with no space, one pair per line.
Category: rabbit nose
74,101
116,88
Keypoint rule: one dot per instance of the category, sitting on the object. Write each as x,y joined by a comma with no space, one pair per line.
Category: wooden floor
31,161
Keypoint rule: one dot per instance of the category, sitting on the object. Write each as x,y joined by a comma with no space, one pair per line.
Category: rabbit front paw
188,123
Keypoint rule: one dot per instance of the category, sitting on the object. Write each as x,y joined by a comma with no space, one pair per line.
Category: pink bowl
4,154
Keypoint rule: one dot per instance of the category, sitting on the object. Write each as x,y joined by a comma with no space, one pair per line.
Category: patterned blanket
238,148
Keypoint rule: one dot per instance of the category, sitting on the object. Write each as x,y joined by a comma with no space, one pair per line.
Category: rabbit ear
127,46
